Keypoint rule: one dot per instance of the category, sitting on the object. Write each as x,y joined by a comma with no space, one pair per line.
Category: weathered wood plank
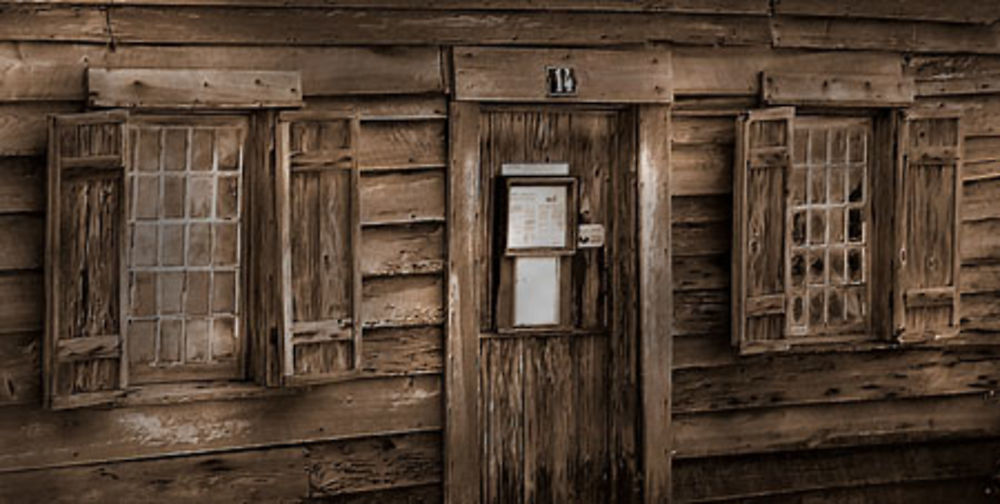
401,145
386,107
835,378
272,475
695,6
686,130
192,88
463,467
403,301
701,272
961,11
22,302
423,494
701,312
42,71
494,74
54,24
966,491
406,351
23,126
867,34
656,299
983,84
702,239
22,241
788,473
402,197
399,250
702,170
826,89
980,278
702,350
692,210
980,239
20,368
381,27
835,425
982,148
367,465
36,438
22,184
733,71
981,200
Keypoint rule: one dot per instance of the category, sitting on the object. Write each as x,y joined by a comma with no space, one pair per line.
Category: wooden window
185,221
320,221
828,220
816,200
150,265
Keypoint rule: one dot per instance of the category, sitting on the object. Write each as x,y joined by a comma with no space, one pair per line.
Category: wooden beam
759,7
976,85
957,11
193,88
492,74
655,299
832,90
45,71
462,463
882,35
287,26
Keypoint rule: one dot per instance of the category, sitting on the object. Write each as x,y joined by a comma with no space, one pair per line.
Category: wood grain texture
837,90
43,71
963,11
385,27
192,88
845,377
22,302
23,127
22,184
360,466
403,197
655,295
786,474
400,145
352,409
403,249
461,457
841,425
883,35
492,74
22,242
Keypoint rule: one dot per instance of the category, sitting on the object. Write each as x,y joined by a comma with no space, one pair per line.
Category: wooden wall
880,426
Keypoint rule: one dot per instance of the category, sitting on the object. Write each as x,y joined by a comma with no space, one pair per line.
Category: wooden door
558,402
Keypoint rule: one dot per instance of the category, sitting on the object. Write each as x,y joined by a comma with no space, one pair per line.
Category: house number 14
561,81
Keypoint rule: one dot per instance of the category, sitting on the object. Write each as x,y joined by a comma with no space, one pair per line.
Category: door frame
642,78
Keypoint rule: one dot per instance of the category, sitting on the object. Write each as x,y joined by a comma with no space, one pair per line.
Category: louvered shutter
928,204
84,343
763,161
320,232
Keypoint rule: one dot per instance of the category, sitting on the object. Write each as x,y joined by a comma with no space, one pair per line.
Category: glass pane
536,291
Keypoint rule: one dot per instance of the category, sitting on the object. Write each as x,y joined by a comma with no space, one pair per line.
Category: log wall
887,425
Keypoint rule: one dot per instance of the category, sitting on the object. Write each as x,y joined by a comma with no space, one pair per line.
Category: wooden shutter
763,161
86,293
928,226
320,232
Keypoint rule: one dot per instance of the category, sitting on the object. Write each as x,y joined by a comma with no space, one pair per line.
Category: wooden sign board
563,75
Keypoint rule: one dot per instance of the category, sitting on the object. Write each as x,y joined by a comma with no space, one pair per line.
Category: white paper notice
536,291
536,217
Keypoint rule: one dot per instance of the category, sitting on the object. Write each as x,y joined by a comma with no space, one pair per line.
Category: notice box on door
541,216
